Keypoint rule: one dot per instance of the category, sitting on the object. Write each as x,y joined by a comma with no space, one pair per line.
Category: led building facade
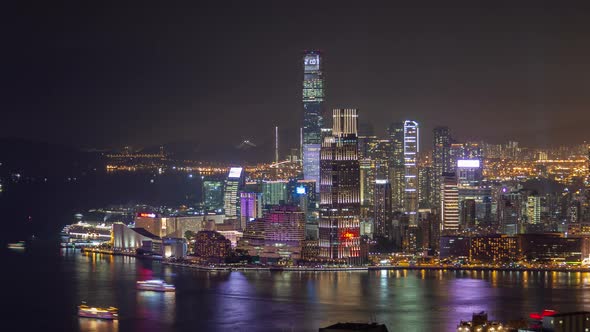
339,224
313,99
411,149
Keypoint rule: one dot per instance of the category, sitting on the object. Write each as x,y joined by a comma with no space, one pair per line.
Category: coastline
332,269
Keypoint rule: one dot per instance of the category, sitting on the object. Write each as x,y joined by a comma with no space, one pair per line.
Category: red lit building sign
349,234
146,215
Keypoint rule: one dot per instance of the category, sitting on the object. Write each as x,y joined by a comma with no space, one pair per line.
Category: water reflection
98,325
273,301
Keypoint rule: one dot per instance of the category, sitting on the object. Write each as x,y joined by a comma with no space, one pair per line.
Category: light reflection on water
417,300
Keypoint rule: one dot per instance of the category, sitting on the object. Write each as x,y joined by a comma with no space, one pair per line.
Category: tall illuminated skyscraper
395,131
339,225
411,149
313,100
441,160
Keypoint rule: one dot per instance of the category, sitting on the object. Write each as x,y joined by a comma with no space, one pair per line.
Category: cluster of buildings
346,191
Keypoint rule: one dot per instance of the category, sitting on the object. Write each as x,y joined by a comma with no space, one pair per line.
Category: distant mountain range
40,158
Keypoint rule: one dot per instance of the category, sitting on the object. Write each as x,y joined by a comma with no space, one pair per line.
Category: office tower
213,194
441,159
449,203
395,133
365,143
339,225
231,196
469,173
411,149
382,211
465,151
534,209
469,183
425,189
313,99
367,178
274,192
284,224
468,216
250,207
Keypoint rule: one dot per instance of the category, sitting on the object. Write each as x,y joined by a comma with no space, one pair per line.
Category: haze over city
112,75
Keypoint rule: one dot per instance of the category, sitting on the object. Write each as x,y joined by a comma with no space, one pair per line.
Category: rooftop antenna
276,144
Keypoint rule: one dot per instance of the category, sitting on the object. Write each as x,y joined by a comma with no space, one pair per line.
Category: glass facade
313,97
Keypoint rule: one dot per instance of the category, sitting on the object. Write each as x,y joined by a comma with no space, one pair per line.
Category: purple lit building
250,208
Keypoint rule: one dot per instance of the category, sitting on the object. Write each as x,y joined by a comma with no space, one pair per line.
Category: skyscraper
382,213
449,202
250,208
441,162
339,225
411,149
313,99
396,165
213,194
231,196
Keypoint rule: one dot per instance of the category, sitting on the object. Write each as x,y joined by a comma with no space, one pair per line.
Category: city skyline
523,80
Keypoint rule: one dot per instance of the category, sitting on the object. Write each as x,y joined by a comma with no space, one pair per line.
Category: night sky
93,75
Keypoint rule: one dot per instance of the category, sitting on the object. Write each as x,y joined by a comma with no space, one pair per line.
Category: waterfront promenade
220,267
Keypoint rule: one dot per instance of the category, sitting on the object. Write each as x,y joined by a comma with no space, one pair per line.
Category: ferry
109,313
17,245
480,323
155,285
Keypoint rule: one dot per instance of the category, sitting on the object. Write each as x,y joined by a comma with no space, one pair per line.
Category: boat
17,245
480,323
109,313
155,285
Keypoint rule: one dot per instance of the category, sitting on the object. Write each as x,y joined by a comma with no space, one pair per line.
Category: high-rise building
449,203
395,132
339,225
464,151
250,208
213,194
441,159
367,177
382,211
411,149
285,224
231,196
211,244
534,209
425,189
313,99
380,153
274,192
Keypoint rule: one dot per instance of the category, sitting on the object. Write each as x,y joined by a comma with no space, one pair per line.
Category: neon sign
146,215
